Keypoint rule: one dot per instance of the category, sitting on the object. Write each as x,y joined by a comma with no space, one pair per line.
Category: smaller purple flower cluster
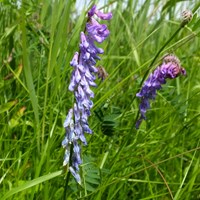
170,68
83,76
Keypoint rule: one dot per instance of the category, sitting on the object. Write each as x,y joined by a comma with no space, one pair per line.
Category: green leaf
7,106
15,120
32,183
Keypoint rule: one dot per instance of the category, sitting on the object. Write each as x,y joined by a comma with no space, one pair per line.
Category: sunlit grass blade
31,183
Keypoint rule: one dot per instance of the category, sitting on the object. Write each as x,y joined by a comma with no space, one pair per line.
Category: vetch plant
170,68
83,77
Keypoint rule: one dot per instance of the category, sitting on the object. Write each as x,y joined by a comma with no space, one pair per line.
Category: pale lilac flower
170,68
83,77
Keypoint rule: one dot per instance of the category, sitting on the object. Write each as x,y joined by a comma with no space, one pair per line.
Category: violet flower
170,68
83,76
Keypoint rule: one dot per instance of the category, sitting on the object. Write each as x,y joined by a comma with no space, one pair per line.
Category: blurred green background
159,161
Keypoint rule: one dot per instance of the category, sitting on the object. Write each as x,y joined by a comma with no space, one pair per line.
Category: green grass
159,161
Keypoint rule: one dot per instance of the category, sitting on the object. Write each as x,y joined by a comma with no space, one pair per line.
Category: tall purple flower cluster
170,68
83,76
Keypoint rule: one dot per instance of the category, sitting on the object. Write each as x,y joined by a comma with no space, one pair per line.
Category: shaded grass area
158,161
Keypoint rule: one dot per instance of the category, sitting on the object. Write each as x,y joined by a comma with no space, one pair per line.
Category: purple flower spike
82,78
170,68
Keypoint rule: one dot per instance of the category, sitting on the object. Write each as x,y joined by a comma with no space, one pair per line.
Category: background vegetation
161,160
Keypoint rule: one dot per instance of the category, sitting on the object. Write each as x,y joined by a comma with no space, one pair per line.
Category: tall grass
158,161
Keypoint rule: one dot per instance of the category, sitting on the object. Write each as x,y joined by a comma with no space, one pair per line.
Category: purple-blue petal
75,175
103,16
91,12
68,119
74,61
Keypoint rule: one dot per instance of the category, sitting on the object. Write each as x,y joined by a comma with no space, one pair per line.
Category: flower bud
186,17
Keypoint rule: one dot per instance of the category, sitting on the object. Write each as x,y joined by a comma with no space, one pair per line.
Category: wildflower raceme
83,76
170,68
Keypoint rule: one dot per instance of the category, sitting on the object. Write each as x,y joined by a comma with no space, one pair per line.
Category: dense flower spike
170,68
83,76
